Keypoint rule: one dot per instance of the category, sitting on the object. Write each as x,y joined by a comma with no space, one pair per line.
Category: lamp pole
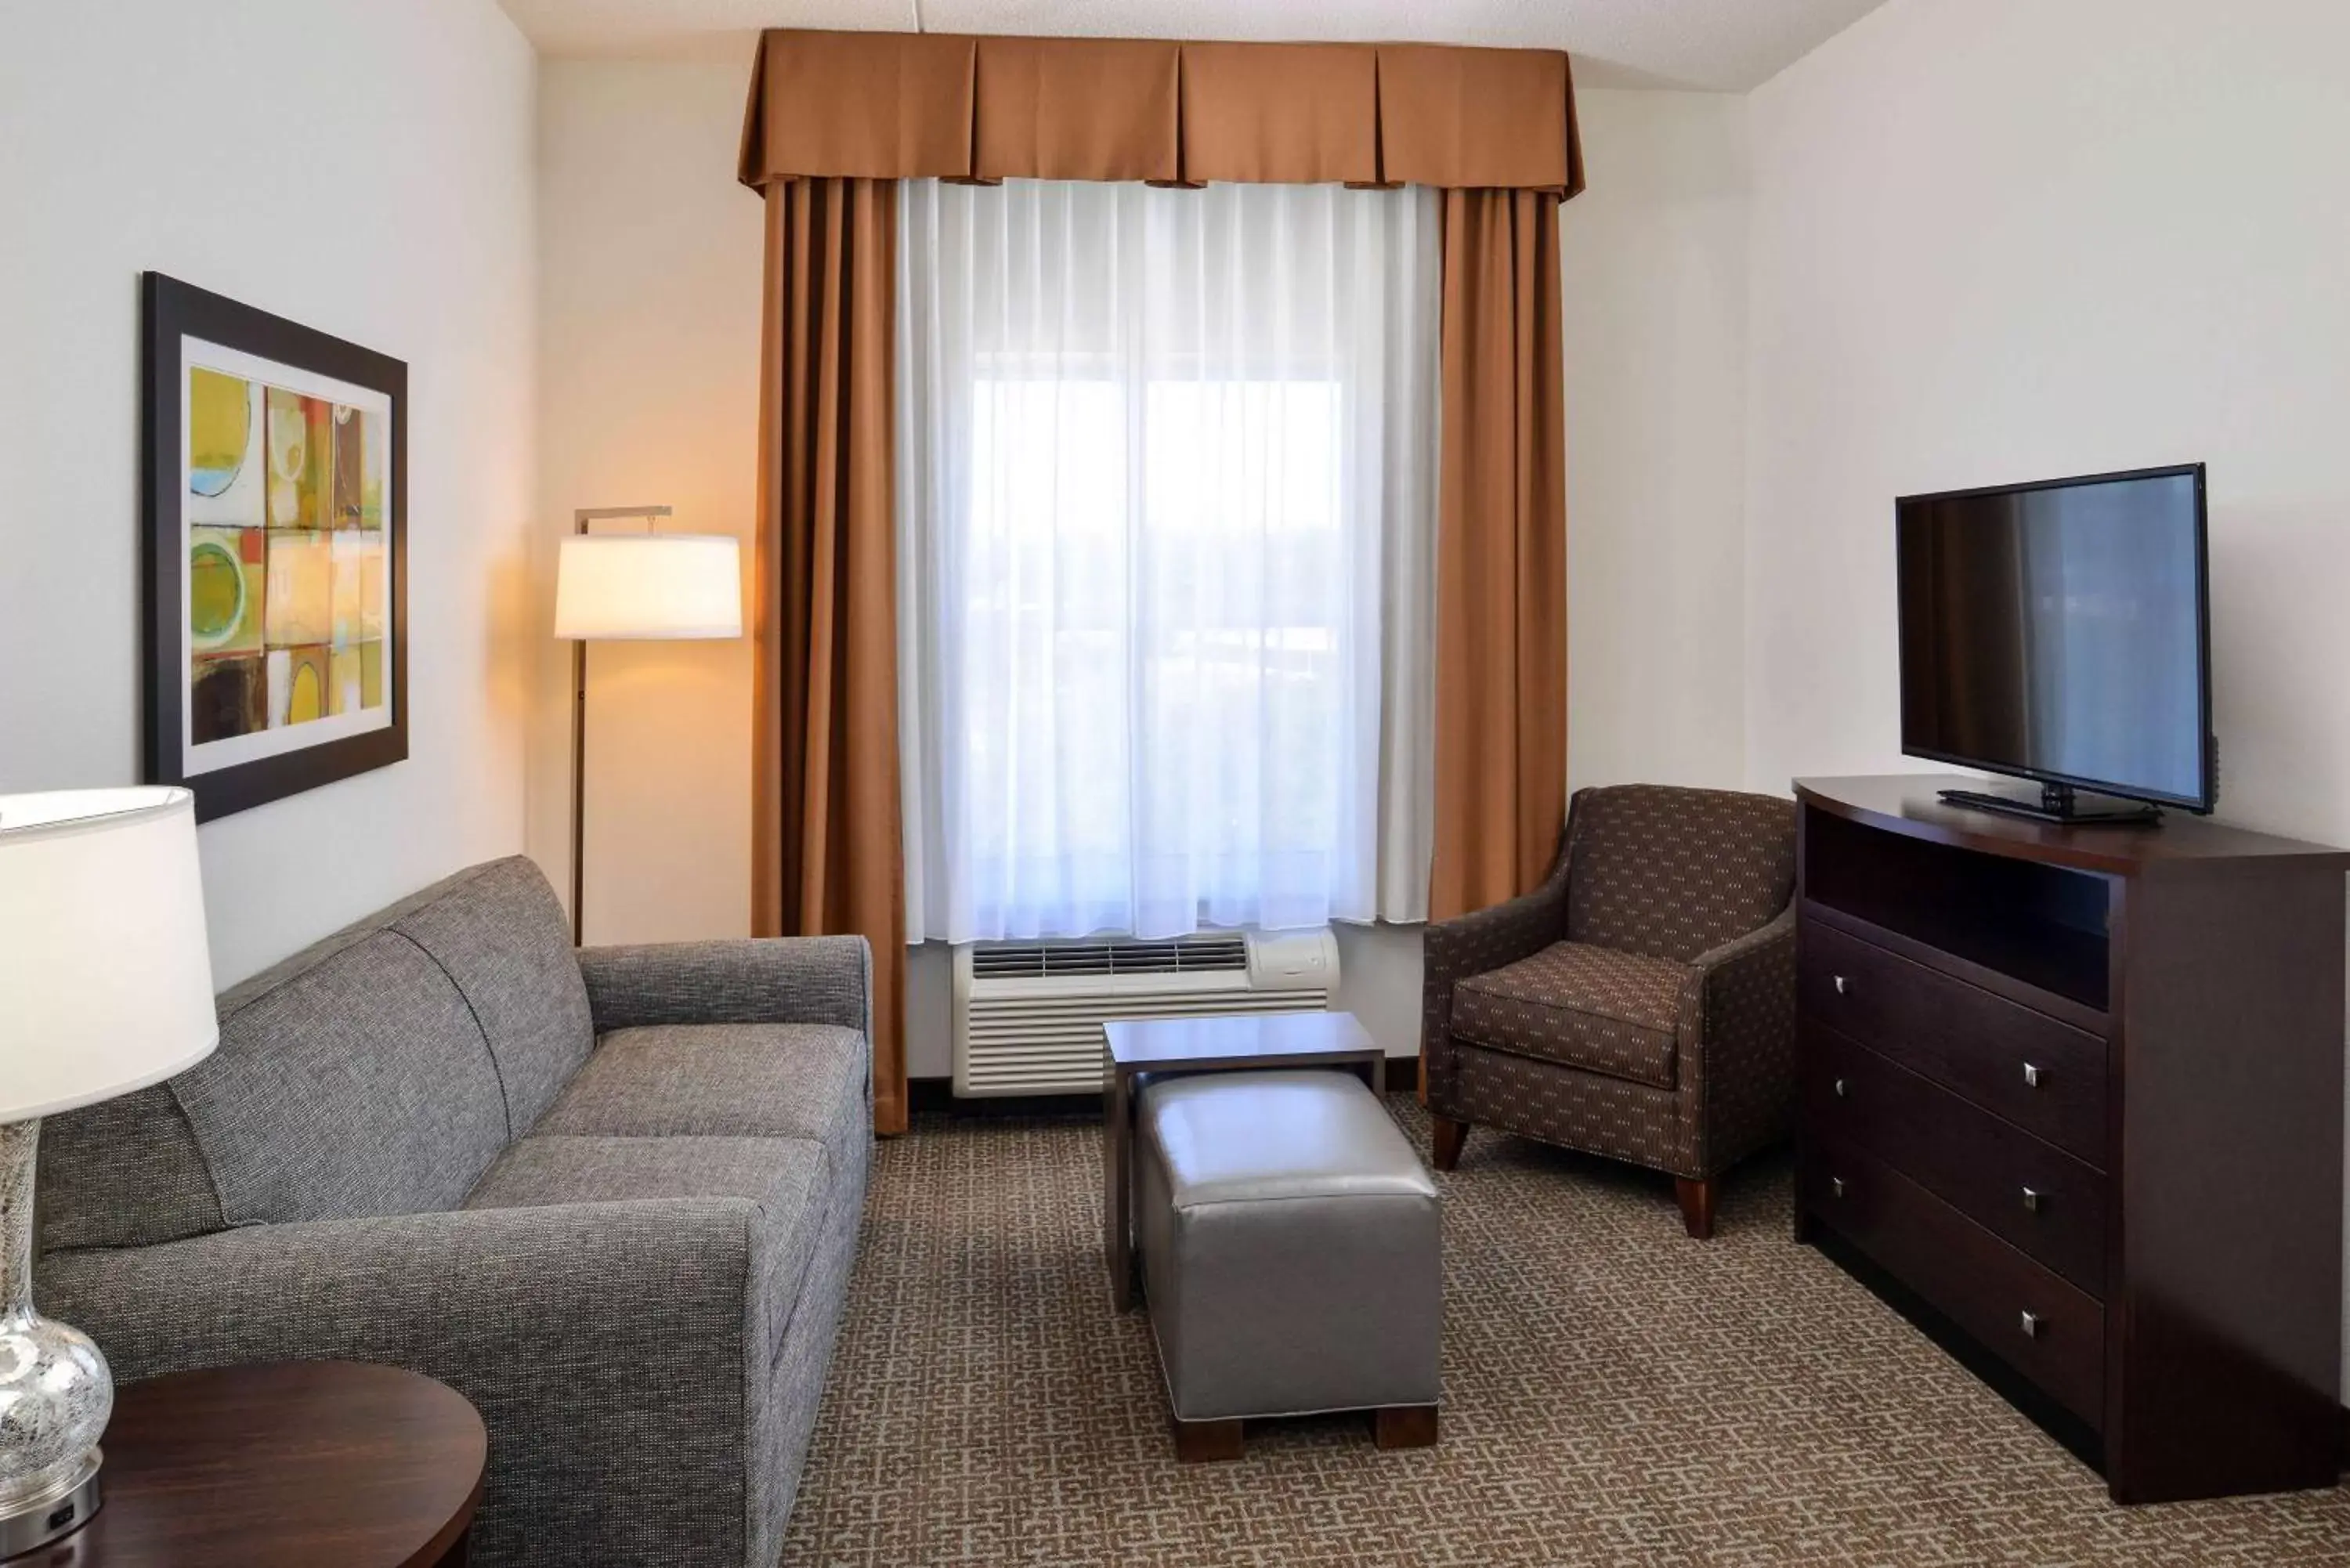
579,525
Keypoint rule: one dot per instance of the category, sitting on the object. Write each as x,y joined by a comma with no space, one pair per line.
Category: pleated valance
918,105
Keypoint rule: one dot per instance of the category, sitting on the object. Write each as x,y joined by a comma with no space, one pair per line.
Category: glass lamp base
54,1390
35,1523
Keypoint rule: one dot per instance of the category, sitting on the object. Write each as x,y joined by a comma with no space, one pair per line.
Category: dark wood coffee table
319,1464
1141,1049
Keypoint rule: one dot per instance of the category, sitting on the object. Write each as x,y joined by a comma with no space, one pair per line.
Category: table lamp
105,986
642,586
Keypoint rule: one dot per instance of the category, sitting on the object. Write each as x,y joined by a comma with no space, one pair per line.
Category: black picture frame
171,311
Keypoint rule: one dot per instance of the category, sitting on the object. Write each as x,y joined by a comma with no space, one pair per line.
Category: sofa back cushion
501,934
360,1086
1669,873
377,1072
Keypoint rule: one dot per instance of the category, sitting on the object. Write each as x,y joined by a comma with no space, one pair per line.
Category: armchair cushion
1599,1009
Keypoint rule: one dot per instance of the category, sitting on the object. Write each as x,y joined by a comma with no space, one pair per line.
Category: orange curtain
1500,552
826,854
945,107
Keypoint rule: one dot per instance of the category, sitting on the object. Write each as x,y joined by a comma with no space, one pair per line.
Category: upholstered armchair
1641,1003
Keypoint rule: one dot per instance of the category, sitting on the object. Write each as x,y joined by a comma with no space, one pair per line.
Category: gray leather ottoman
1291,1250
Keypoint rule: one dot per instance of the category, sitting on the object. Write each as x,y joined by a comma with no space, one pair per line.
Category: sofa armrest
1740,1013
1476,943
766,980
618,1353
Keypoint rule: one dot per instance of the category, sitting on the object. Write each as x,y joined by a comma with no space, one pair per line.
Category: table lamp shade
106,982
672,586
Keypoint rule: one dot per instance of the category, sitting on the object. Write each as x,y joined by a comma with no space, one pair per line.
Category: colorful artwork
275,521
302,577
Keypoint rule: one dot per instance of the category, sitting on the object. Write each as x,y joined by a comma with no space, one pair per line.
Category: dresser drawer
2047,1078
2051,1331
2030,1194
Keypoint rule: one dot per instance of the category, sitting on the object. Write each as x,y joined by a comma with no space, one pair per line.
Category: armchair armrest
767,980
1477,942
1739,1009
600,1419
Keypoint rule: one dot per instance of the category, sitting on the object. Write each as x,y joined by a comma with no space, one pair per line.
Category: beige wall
648,363
650,272
365,169
1654,258
2000,239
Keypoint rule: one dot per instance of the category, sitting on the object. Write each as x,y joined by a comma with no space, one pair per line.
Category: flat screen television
2060,632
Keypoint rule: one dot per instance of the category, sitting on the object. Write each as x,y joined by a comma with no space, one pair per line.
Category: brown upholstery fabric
909,106
1452,950
1500,552
1745,1010
826,856
1731,1085
1673,872
1594,1008
1638,1123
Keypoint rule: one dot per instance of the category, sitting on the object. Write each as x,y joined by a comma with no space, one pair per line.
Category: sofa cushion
124,1172
785,1178
1595,1007
360,1085
1672,872
721,1080
501,934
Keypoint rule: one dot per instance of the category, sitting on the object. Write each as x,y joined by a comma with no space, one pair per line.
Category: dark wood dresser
2078,1091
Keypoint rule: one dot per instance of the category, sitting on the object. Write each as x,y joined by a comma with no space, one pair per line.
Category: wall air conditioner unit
1028,1015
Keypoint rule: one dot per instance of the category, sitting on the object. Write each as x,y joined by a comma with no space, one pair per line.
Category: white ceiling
1722,44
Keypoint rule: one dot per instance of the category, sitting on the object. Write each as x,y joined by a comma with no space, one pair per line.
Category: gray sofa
611,1195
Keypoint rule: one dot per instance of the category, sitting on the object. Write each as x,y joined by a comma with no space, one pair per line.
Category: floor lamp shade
644,586
104,969
650,586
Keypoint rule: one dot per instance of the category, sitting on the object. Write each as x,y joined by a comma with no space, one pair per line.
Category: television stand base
2058,803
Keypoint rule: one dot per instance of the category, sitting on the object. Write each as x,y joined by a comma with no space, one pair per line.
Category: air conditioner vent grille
1028,1016
1040,961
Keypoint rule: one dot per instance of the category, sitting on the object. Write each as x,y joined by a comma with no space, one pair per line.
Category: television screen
2057,632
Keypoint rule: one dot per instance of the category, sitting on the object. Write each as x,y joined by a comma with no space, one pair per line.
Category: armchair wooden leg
1451,1137
1697,1206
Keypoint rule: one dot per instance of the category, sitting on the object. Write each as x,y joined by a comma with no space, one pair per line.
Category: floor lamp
638,585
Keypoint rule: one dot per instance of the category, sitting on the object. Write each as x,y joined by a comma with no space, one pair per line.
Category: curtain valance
918,105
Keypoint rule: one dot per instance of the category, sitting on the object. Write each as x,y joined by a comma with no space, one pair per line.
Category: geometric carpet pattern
1612,1394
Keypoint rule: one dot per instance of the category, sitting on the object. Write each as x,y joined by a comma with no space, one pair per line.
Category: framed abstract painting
275,471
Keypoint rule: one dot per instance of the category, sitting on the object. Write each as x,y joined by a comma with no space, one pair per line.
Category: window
1166,511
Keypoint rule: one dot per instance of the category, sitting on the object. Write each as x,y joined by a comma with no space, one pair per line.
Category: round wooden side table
298,1462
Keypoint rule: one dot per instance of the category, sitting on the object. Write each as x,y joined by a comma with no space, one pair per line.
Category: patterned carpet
1614,1394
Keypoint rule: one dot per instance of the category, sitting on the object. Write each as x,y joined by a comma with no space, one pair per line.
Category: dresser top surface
1908,804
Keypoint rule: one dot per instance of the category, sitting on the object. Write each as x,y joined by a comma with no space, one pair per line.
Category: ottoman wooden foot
1405,1425
1206,1442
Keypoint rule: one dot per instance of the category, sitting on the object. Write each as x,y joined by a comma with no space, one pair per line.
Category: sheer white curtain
1166,500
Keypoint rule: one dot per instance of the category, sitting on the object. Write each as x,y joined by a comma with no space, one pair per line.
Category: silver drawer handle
1843,1089
1835,1187
2030,1324
2031,1075
1843,986
2032,1199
